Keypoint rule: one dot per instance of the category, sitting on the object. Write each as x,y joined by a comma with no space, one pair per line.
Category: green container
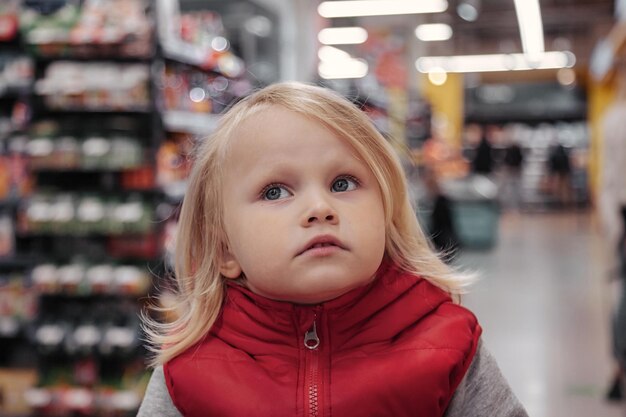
476,222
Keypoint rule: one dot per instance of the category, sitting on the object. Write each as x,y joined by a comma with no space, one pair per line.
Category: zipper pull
311,341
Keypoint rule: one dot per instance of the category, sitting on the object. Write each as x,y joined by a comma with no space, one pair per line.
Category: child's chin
324,296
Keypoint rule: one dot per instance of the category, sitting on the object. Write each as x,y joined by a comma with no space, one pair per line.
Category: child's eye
345,183
275,192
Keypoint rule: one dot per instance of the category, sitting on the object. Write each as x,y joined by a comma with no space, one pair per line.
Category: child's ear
229,267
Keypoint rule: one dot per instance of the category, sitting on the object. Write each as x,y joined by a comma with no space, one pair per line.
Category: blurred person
482,162
513,162
560,174
441,228
612,209
306,285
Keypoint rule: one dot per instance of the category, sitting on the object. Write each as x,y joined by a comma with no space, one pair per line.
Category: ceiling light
330,53
495,62
335,63
353,8
531,27
350,68
468,10
342,36
433,32
438,77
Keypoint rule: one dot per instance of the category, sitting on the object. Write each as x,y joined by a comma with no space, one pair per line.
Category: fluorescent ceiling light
342,36
352,8
335,63
330,53
433,32
351,68
495,62
530,26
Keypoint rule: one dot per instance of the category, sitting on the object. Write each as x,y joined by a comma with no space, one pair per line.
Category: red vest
396,347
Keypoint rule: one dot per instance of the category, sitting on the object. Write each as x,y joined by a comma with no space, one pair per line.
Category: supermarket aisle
544,302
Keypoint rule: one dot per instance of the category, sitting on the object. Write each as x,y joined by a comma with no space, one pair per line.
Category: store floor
544,302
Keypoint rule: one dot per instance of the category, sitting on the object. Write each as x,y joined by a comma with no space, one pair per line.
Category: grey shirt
482,392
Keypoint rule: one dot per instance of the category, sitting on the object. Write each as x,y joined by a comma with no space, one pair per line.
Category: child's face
303,215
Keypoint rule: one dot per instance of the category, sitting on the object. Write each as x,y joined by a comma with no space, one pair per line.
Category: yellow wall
600,95
447,106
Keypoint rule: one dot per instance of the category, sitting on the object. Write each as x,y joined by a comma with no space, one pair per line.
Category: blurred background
507,114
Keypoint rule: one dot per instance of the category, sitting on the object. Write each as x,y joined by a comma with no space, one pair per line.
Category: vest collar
395,298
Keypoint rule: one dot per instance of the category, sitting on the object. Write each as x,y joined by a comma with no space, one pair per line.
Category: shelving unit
199,77
95,146
90,150
69,310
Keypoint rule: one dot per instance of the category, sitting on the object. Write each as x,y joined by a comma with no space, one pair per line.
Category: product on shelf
173,164
18,305
144,246
186,88
138,178
15,183
81,279
196,38
192,99
9,22
92,28
16,161
95,86
16,72
13,384
7,236
65,401
90,153
73,214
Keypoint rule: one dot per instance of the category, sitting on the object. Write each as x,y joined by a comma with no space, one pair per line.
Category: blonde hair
201,237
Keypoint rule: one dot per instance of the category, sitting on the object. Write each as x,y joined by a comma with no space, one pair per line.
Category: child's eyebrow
262,177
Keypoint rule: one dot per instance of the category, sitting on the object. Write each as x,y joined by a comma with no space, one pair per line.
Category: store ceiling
574,25
568,24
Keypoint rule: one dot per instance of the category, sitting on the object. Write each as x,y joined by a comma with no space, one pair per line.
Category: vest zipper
312,342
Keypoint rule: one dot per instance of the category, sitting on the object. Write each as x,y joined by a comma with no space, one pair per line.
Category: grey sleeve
484,391
157,401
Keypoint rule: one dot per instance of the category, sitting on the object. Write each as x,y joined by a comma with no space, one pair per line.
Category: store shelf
15,91
188,54
43,170
9,203
79,111
48,59
18,262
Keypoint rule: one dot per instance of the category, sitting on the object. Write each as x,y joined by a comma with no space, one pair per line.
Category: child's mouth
322,245
322,249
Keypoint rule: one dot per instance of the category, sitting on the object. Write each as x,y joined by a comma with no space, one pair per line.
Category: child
306,285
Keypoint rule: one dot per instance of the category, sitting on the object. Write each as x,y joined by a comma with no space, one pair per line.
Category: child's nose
328,218
320,211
